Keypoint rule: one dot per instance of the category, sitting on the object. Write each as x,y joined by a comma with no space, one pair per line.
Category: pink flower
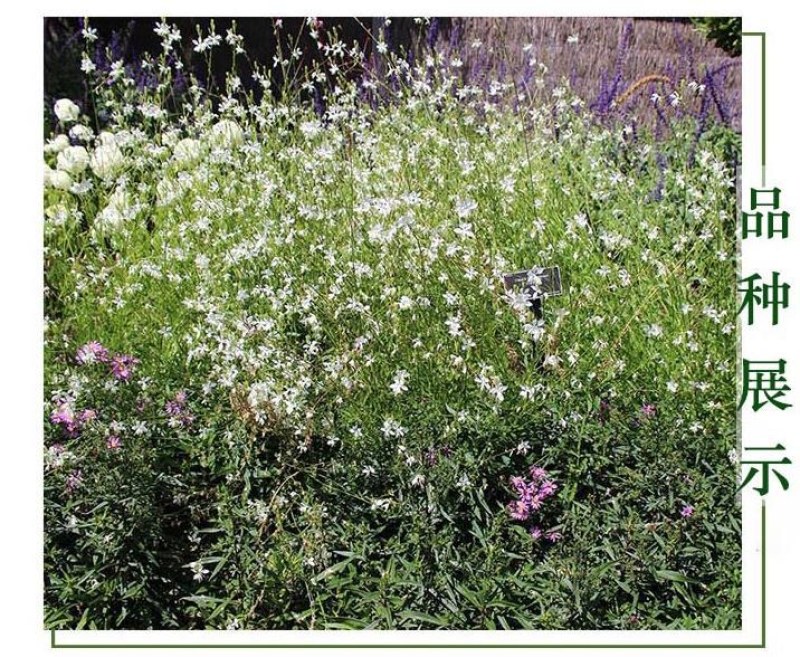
518,510
91,352
122,366
537,473
687,511
114,442
649,411
74,480
548,488
536,533
87,415
554,537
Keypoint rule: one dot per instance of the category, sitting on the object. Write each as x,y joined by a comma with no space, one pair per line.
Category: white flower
464,230
115,213
465,207
672,386
82,133
464,482
498,390
405,303
519,301
110,138
106,161
551,361
57,144
398,385
73,159
454,325
226,133
57,179
66,110
392,428
87,65
419,480
199,571
380,504
187,151
523,447
653,331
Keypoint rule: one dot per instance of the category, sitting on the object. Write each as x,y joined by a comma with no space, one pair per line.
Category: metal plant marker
537,282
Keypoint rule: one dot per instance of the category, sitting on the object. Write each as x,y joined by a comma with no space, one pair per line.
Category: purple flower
537,473
518,510
548,489
176,409
86,415
531,495
173,408
122,366
535,502
114,442
431,456
91,352
519,485
554,537
64,416
74,480
687,511
649,411
536,532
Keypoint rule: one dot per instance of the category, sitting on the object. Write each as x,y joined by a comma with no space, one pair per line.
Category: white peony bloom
107,160
57,179
227,133
106,139
121,138
115,213
73,159
187,151
82,133
57,144
66,110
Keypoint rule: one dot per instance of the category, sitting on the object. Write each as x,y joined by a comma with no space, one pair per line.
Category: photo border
55,645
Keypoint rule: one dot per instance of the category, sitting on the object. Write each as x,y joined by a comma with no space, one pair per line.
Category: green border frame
763,37
620,646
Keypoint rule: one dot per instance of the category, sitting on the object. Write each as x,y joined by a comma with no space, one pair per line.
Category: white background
21,261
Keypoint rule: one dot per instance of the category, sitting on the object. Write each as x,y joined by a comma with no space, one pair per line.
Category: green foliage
725,32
